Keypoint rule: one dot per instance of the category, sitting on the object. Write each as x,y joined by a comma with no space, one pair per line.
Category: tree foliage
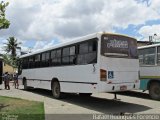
10,47
4,23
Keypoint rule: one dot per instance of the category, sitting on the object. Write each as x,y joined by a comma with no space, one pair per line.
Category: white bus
149,57
99,62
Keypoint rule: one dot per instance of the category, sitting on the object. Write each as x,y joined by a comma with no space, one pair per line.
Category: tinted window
56,57
47,56
53,54
147,56
37,61
66,51
45,62
43,56
118,46
31,62
69,55
158,56
72,50
25,63
58,53
37,57
92,46
87,52
83,48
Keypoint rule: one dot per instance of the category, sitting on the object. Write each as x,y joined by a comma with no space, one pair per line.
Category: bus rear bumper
118,87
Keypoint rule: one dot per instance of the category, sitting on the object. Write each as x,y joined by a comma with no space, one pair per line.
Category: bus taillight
103,75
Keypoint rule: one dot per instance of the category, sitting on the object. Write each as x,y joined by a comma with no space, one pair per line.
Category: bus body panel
105,87
83,75
144,84
147,74
150,71
123,69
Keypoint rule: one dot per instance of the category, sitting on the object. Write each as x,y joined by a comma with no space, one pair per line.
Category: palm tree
7,59
11,46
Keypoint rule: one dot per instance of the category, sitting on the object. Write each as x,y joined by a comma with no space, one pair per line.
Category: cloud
65,19
147,31
155,5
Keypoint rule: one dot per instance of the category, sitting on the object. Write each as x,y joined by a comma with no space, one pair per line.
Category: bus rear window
118,46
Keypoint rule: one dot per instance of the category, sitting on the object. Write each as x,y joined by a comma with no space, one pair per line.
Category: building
5,68
143,43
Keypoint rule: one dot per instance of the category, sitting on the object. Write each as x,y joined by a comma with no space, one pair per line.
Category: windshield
119,46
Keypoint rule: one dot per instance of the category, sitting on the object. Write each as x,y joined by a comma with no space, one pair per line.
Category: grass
19,109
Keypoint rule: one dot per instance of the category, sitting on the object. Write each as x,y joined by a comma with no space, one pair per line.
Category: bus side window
31,62
92,55
87,52
147,56
53,58
82,51
72,55
158,55
65,56
45,61
69,55
25,63
37,61
56,57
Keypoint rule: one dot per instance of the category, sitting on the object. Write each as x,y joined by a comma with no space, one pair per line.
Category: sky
39,24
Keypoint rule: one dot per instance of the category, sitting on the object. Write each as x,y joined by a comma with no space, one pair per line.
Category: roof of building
147,46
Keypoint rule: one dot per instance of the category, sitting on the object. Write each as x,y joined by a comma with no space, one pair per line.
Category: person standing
15,78
6,81
5,78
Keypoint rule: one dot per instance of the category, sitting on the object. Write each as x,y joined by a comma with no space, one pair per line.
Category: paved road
130,102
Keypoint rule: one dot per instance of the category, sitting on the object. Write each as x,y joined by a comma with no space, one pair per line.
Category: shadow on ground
135,94
2,106
102,105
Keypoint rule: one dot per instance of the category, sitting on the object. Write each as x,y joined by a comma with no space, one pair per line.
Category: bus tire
56,90
85,94
154,90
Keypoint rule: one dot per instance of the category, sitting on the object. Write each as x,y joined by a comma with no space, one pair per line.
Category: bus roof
148,46
79,39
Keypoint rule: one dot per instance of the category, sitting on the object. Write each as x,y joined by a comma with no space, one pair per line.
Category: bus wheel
154,90
56,90
85,94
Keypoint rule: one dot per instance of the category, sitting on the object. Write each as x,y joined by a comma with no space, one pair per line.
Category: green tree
11,46
7,59
4,23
